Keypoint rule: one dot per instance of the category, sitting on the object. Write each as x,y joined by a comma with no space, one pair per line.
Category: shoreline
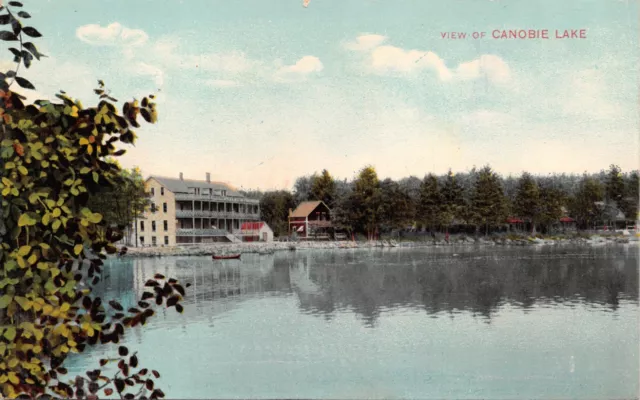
272,247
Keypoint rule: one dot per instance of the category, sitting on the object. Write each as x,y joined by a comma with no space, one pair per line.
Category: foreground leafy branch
55,155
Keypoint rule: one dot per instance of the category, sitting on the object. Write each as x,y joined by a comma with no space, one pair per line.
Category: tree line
479,200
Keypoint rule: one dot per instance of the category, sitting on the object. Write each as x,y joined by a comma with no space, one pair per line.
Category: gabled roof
177,185
306,208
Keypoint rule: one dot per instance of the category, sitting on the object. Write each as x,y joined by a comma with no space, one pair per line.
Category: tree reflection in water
371,282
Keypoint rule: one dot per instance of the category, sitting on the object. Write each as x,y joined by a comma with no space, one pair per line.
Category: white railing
213,198
201,232
215,214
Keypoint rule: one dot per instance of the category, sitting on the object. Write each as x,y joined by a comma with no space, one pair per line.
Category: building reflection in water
441,282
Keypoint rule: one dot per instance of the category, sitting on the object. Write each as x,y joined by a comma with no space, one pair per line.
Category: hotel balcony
207,197
201,232
215,214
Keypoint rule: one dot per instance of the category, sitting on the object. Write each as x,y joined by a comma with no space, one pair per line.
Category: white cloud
300,70
112,35
387,59
365,42
586,94
221,83
142,68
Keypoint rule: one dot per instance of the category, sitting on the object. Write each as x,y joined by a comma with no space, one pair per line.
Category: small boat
229,257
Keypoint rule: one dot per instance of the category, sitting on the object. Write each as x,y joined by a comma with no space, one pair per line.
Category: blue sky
260,92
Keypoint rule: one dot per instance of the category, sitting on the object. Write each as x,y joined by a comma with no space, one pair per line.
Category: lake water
496,323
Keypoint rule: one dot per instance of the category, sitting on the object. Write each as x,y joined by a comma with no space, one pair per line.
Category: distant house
311,220
256,232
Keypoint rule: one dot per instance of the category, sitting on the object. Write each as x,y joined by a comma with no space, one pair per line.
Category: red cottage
311,220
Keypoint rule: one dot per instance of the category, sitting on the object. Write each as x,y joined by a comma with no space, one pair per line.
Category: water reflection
367,283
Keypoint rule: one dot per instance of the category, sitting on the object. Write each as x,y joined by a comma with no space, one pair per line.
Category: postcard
354,199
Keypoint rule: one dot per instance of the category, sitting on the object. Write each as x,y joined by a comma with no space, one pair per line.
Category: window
154,208
161,191
153,241
164,207
153,191
141,226
142,240
166,226
224,192
166,240
153,226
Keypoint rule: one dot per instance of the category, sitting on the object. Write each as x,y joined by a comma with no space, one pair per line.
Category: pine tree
452,197
488,205
430,206
527,199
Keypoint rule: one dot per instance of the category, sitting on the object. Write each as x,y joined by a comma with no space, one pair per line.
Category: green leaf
33,32
96,177
5,19
23,170
10,333
24,83
15,3
5,300
24,14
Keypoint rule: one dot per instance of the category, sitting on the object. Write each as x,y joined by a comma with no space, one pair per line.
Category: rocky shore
269,248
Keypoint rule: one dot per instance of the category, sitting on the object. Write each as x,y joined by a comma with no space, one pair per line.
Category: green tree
614,185
397,209
488,205
302,189
124,202
323,188
526,203
274,207
453,204
430,205
552,201
630,203
584,205
366,202
55,155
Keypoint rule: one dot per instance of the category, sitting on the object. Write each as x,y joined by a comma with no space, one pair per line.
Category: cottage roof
305,208
177,185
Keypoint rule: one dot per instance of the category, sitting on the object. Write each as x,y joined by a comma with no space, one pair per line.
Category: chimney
181,177
208,177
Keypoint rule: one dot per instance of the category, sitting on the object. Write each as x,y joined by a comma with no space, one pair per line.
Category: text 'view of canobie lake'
541,322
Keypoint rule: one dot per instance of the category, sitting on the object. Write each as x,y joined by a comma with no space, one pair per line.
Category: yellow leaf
13,378
47,309
84,141
77,249
32,260
21,262
23,170
46,218
13,362
24,250
37,349
65,307
56,212
56,225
